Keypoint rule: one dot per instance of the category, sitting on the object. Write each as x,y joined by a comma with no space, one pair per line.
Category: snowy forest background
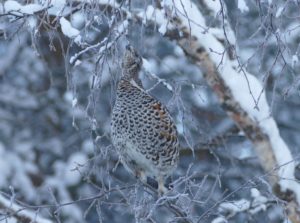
59,65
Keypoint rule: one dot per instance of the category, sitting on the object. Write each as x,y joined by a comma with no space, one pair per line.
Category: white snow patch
254,192
32,22
170,63
72,176
21,211
178,51
77,62
242,6
77,20
179,126
31,8
295,60
77,40
150,65
68,97
74,102
59,7
213,6
200,97
67,29
235,206
259,201
13,6
219,34
279,11
88,145
152,14
163,28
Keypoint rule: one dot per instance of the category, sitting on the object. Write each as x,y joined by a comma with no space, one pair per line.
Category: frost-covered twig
10,210
105,44
147,67
13,8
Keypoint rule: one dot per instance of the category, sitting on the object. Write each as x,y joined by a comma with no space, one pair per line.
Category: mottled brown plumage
142,129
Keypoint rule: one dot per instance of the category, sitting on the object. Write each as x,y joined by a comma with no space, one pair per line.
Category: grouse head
132,63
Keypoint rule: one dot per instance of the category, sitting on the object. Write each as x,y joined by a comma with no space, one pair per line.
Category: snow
77,20
14,170
77,40
68,96
72,176
156,15
27,213
214,6
259,201
200,97
67,28
74,102
150,65
149,68
254,103
32,22
295,60
178,51
219,220
31,8
58,7
12,6
219,34
77,63
231,208
235,206
163,28
255,192
279,11
88,146
242,6
104,43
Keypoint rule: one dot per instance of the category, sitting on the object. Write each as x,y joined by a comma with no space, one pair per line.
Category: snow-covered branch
257,203
10,211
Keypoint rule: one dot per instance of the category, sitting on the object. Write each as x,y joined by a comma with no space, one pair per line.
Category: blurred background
55,115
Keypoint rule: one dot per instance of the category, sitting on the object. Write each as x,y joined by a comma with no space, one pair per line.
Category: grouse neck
128,74
132,79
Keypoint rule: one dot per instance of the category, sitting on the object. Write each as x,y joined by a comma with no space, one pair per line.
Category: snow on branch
15,213
105,44
67,29
14,8
229,209
29,9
